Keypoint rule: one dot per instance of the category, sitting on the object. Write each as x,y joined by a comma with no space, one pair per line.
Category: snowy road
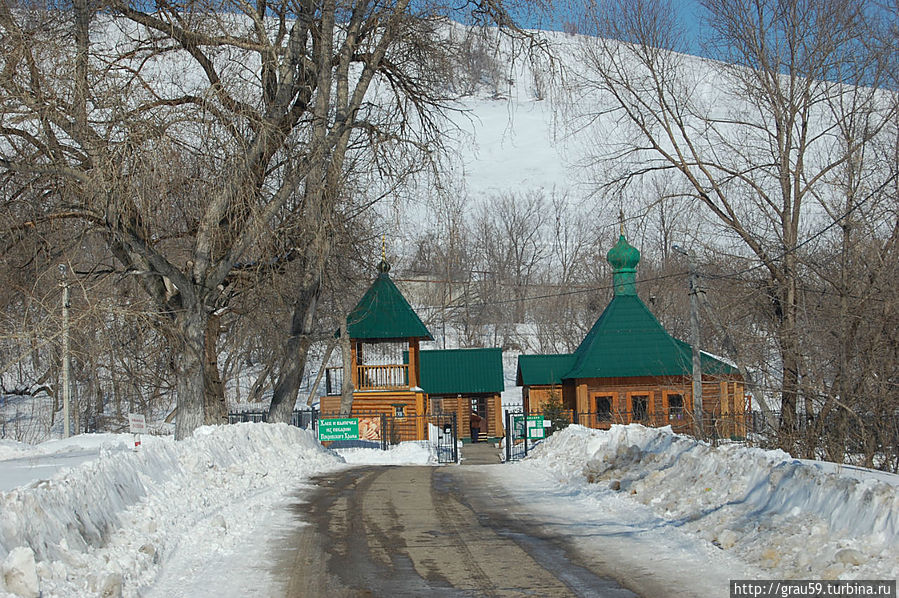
414,531
255,509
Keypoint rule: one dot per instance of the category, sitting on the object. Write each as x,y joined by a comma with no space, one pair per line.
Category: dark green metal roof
535,370
462,371
383,313
627,340
709,363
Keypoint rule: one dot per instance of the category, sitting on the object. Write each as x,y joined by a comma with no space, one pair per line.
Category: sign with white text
345,428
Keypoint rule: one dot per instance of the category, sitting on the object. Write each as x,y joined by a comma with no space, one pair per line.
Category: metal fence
522,433
302,418
523,430
438,433
857,438
733,426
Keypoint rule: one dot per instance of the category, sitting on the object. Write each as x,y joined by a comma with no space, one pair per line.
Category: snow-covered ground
191,518
92,517
659,497
406,453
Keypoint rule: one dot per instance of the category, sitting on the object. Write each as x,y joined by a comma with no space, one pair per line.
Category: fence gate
440,433
516,436
302,418
443,434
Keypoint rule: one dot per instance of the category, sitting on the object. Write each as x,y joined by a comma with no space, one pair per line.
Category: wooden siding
462,408
724,402
376,403
535,396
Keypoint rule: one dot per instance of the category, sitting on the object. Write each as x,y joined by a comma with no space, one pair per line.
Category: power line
591,289
732,276
820,233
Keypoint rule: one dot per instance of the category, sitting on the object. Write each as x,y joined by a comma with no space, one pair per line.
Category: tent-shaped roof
461,371
384,314
710,364
626,341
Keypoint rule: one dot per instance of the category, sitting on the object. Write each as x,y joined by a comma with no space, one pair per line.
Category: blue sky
688,13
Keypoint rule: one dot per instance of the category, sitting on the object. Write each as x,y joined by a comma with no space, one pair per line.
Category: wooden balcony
382,377
369,377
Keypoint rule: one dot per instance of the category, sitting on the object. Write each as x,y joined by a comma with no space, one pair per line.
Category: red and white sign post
138,423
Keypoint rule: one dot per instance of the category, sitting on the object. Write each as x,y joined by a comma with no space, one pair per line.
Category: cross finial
384,267
621,221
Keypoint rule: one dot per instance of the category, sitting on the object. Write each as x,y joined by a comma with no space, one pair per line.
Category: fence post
455,439
508,438
383,432
526,435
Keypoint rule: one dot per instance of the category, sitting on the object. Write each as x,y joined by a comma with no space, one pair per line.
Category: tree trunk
215,410
789,344
346,354
293,364
321,372
255,394
190,372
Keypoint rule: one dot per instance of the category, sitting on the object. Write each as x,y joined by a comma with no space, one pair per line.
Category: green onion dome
623,256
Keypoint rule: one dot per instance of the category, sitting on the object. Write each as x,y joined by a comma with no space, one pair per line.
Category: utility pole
66,389
694,340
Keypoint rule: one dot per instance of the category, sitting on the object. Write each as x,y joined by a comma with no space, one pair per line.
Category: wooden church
628,369
391,374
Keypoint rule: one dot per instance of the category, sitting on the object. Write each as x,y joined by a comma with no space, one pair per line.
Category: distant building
628,369
392,375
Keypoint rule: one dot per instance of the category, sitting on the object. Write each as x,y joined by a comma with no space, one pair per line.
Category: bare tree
204,142
750,137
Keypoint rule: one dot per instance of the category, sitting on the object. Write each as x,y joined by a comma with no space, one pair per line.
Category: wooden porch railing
382,377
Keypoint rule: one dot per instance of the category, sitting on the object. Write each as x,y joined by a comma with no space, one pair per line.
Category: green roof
462,371
383,313
535,370
709,363
626,341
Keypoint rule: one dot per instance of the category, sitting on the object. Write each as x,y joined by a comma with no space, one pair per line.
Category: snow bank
11,448
106,526
405,453
783,515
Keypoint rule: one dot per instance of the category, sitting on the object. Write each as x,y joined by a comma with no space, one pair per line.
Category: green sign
533,427
518,426
536,429
346,428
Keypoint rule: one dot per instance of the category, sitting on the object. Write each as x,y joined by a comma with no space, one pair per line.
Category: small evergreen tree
554,410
